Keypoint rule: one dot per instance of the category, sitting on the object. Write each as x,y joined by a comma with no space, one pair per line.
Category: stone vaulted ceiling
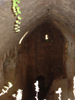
60,13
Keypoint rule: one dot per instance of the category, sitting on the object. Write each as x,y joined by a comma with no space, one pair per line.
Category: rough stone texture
10,72
1,74
63,84
23,67
58,13
69,64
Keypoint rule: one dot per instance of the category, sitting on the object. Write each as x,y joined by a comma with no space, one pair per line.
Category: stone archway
39,56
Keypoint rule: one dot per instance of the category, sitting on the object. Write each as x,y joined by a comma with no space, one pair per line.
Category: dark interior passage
41,81
47,50
42,53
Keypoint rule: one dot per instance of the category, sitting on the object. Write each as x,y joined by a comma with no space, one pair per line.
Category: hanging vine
16,11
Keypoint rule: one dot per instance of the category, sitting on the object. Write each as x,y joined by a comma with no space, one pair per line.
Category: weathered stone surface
63,84
58,12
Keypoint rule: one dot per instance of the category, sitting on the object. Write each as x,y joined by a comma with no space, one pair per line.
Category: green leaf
16,13
18,30
17,21
18,10
18,1
16,25
16,5
13,7
19,17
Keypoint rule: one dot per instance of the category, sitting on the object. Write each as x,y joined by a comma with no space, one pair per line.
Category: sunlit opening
6,89
74,86
36,89
23,37
19,95
59,91
14,95
46,37
69,99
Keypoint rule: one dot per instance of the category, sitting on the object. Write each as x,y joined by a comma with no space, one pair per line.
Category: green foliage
17,11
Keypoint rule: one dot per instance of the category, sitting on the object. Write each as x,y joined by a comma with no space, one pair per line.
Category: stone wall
10,72
23,68
69,64
35,56
63,84
59,12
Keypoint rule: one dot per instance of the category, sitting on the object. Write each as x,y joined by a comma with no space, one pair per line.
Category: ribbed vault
60,13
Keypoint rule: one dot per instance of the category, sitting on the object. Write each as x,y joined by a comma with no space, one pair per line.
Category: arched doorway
42,54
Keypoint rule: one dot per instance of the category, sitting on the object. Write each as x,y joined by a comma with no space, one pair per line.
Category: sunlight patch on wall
59,91
69,99
23,37
36,89
6,89
74,86
19,94
46,37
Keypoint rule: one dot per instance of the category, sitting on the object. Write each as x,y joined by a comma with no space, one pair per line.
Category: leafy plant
16,11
